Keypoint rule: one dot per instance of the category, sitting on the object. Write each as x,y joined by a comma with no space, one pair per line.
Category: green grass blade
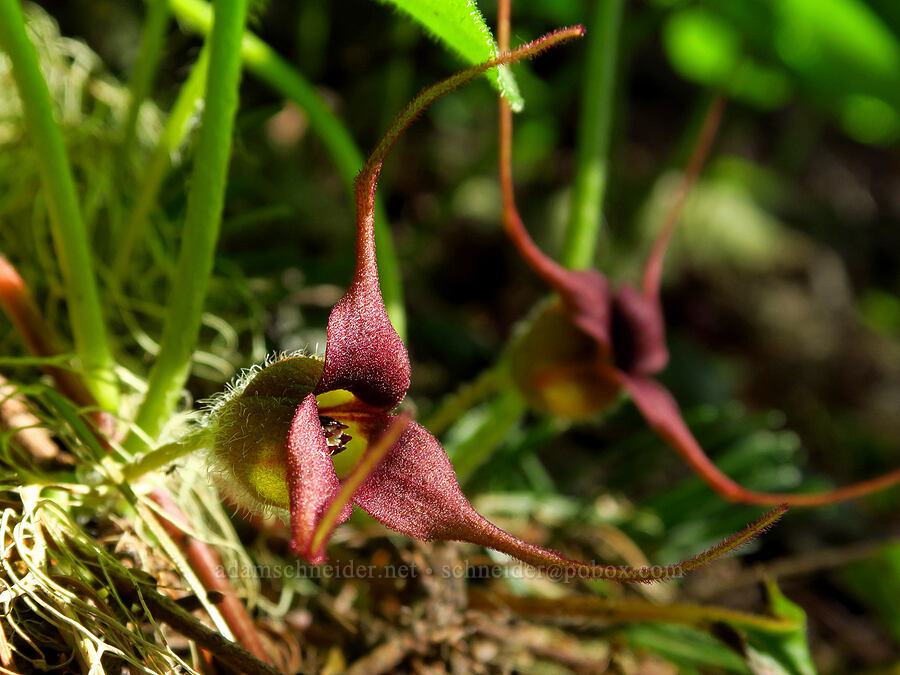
66,224
204,214
145,67
592,165
460,25
173,136
483,430
784,653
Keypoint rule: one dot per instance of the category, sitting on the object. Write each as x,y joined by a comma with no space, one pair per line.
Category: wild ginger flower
583,350
280,433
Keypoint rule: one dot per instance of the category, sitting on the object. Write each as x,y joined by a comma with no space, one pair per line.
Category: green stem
201,229
152,41
481,440
592,165
453,406
261,60
69,234
163,455
171,139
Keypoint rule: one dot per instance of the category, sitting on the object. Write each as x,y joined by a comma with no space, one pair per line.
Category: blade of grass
208,565
592,164
69,234
22,427
460,26
200,565
487,429
145,66
169,611
455,405
166,454
201,230
606,609
172,137
265,63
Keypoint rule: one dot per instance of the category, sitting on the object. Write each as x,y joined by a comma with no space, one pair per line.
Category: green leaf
702,46
840,54
780,653
875,581
880,311
460,25
686,647
869,119
708,49
722,638
479,433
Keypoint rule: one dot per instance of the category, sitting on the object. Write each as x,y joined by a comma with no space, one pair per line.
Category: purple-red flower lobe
638,333
364,354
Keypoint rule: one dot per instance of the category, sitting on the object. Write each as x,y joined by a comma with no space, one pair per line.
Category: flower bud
251,421
559,369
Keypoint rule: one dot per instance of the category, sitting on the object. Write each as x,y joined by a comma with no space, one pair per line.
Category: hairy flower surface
275,435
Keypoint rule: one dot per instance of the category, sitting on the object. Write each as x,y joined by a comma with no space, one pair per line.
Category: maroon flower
281,433
595,342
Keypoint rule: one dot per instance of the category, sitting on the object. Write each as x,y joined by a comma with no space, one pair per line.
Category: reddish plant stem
503,24
653,268
552,272
171,612
23,312
368,177
208,565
